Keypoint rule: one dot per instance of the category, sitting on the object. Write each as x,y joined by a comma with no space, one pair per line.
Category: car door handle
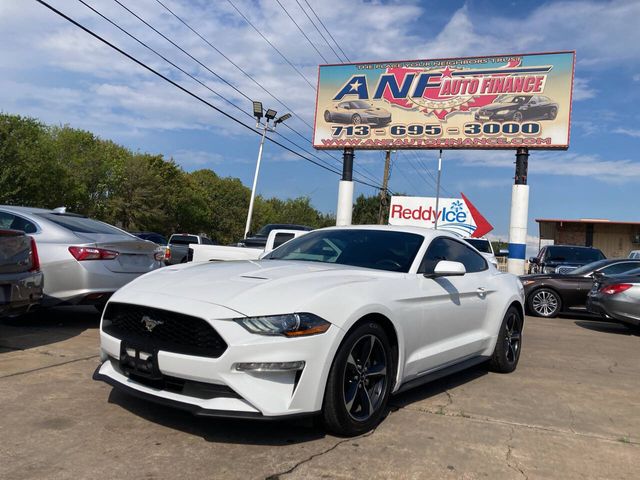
481,291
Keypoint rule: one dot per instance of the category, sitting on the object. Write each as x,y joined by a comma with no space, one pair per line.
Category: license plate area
139,361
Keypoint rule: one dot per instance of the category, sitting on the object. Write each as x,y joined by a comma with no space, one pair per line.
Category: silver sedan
83,260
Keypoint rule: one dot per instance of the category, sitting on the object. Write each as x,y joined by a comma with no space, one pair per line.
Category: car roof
16,209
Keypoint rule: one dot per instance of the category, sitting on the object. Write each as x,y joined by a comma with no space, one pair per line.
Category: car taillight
35,259
91,253
615,288
167,253
158,255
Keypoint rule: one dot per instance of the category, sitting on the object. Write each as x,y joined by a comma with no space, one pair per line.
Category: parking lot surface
571,410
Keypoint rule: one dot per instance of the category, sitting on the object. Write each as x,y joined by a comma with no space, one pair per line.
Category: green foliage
367,209
52,166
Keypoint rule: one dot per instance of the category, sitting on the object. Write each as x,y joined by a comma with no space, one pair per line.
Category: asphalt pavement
570,411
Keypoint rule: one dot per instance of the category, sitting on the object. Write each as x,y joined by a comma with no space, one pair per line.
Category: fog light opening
269,366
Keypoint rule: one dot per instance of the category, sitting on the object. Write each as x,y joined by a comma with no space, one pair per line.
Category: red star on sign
446,72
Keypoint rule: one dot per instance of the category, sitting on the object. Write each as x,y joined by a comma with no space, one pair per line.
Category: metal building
615,239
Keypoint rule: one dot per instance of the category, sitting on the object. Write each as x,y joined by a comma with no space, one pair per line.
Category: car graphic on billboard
518,108
357,112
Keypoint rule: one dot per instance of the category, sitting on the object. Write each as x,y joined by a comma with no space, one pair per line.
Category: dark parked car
563,258
20,276
518,108
259,240
152,237
617,297
549,294
357,112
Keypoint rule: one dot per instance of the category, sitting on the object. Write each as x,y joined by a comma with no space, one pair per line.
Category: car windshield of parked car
573,254
360,104
79,224
481,245
377,249
589,267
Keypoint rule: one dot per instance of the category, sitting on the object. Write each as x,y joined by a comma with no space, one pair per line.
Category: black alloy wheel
545,302
327,116
356,119
359,382
509,344
517,117
553,112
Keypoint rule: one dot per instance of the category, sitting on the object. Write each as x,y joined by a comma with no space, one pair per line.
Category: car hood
263,287
548,276
376,111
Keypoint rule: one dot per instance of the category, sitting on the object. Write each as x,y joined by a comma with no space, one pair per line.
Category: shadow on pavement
438,386
277,432
606,327
46,326
237,431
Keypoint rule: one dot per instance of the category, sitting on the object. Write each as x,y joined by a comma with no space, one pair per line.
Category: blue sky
57,73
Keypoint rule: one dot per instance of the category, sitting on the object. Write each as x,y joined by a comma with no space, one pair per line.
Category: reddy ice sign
457,215
504,101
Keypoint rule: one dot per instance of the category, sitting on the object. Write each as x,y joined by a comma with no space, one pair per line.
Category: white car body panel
438,321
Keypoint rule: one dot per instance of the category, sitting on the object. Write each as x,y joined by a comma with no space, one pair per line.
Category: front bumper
250,394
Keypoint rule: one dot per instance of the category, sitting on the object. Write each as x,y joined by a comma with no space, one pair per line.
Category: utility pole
438,189
383,190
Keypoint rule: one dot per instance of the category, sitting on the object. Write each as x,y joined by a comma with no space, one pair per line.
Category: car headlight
289,325
502,112
527,282
549,269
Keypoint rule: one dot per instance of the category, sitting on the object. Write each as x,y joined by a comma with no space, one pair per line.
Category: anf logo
149,323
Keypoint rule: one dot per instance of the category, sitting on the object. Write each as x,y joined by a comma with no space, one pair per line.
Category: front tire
509,344
545,303
359,382
517,117
327,116
356,119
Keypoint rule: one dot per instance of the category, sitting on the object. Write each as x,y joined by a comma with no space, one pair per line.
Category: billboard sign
505,101
457,215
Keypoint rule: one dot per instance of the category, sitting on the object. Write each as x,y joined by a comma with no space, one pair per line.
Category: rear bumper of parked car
216,386
20,292
612,309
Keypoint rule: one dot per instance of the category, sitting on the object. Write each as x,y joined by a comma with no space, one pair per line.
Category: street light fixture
258,112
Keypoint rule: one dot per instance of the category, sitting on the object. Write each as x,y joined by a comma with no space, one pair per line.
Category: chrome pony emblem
150,323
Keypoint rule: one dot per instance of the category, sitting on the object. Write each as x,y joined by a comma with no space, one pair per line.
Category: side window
618,268
344,105
14,222
447,249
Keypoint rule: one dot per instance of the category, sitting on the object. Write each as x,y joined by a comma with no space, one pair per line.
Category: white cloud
582,90
628,131
636,77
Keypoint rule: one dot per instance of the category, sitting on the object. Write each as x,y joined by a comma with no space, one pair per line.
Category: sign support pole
519,215
438,190
344,211
383,191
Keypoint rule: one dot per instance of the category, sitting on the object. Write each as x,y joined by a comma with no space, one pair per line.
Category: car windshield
519,99
377,249
481,245
80,224
574,254
360,104
589,267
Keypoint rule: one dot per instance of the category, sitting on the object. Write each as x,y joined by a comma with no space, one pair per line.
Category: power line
272,45
180,87
319,32
368,174
187,73
302,32
326,30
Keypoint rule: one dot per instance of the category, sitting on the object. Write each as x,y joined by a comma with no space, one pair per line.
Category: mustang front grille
157,329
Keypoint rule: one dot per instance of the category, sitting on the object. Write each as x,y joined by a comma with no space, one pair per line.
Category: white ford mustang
330,323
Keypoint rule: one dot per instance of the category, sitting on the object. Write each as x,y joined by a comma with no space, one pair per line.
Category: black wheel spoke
376,370
350,395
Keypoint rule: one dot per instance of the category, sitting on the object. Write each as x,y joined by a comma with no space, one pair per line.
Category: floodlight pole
438,189
264,127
